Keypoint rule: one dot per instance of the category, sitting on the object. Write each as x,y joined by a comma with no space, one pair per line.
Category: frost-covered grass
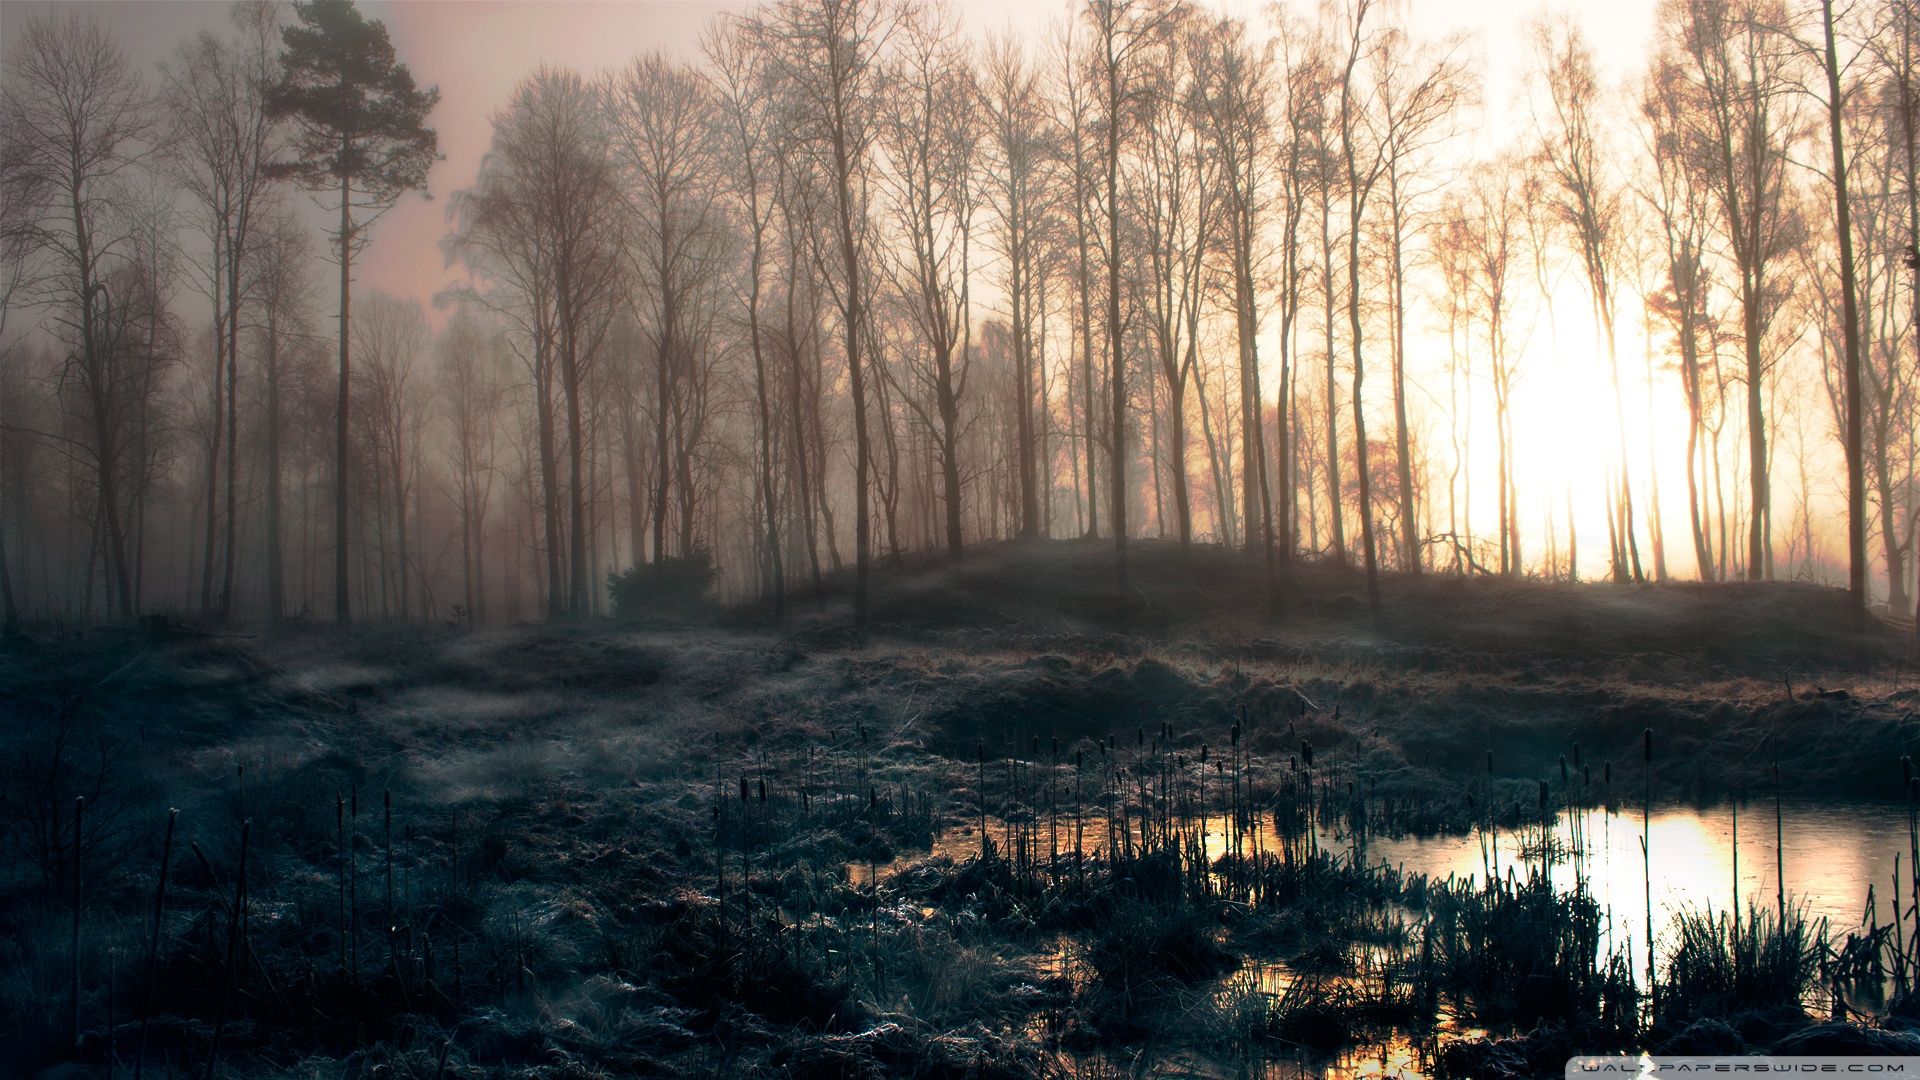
621,849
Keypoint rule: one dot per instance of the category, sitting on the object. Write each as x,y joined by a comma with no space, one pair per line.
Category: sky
476,50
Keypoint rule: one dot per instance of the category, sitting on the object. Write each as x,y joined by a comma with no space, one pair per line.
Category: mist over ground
868,539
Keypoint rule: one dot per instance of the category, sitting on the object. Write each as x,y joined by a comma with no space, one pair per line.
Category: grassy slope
581,762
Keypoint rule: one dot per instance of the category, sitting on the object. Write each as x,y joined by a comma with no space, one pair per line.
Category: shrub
676,585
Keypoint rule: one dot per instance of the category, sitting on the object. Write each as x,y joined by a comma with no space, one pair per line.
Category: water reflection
1834,863
1833,857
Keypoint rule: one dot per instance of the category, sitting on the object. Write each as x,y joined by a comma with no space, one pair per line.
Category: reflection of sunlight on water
1833,857
1833,854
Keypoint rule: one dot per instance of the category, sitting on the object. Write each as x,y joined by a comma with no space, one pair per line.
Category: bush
673,586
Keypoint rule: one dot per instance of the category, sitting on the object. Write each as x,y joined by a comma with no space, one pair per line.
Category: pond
1836,857
1837,865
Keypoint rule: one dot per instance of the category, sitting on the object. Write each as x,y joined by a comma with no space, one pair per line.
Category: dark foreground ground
620,850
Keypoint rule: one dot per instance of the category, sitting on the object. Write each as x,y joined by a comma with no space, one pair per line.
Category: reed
1646,855
353,883
1779,843
1518,951
340,858
231,974
386,840
1493,825
1721,965
1911,787
153,944
79,902
980,751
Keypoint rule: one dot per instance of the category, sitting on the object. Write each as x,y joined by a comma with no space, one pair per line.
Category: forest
878,538
787,305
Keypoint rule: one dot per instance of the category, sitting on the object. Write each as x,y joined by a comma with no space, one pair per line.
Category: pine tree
359,129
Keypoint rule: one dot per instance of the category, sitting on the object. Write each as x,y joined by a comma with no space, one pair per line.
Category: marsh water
1831,859
1836,863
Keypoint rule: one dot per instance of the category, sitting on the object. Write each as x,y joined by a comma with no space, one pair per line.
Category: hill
1038,590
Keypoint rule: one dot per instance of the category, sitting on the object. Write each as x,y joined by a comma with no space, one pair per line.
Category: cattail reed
353,880
79,901
980,749
1079,823
340,858
1646,853
1779,842
1493,824
386,813
1910,786
153,944
233,948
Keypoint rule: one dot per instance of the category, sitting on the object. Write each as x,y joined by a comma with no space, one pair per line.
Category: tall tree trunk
1756,444
549,476
276,573
663,412
234,246
1117,375
636,486
1356,205
216,419
1402,437
768,496
1850,336
341,606
1336,515
1023,362
398,463
9,610
1086,352
578,563
854,316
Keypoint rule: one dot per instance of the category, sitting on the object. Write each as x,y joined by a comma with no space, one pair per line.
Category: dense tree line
851,283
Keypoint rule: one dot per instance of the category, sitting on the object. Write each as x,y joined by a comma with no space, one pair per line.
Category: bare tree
392,338
1484,231
1681,304
1849,329
544,223
663,131
1420,90
932,140
1076,93
220,143
1019,190
827,53
472,385
740,83
281,290
1587,204
1239,84
1122,33
1737,125
1177,203
76,115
